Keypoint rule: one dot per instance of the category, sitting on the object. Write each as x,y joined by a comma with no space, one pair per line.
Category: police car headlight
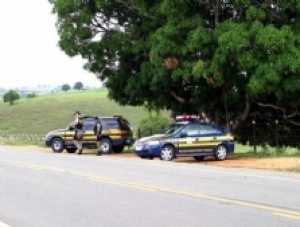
153,143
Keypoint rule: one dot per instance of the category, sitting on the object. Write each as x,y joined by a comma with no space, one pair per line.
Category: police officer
173,117
204,117
97,133
78,134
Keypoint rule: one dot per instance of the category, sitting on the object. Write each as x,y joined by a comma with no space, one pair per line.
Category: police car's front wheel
167,153
221,153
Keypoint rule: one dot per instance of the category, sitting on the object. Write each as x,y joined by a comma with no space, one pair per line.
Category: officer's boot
99,153
79,151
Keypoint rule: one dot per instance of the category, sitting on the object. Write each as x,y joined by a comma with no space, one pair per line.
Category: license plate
138,147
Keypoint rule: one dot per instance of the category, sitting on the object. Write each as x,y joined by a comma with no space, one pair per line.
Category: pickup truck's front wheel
57,145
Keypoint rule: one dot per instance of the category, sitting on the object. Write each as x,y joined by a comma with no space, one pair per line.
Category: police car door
188,143
208,137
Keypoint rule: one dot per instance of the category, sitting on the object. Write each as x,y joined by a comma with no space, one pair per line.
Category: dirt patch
26,148
236,162
254,163
233,162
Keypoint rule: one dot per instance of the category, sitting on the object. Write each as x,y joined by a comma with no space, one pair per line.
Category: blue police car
186,137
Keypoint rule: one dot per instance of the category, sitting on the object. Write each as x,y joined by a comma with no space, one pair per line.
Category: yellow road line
54,169
27,166
276,211
121,184
287,215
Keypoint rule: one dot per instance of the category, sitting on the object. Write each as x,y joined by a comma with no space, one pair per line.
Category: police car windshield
172,128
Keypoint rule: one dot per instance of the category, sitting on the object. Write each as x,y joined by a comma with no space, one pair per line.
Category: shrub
152,125
30,96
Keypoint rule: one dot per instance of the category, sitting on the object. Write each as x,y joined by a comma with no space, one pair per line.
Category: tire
106,146
118,149
167,153
199,158
57,145
221,153
71,150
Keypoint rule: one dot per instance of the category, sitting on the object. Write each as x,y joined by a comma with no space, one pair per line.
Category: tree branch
281,109
180,99
129,4
243,116
247,107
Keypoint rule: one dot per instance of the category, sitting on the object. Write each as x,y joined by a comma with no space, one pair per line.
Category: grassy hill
44,113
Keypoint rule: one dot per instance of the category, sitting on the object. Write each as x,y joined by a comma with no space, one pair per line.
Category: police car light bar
186,117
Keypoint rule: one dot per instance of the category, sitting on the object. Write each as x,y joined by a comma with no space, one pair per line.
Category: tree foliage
11,96
237,58
66,87
78,86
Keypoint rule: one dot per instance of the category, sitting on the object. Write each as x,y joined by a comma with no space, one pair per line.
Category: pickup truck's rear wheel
106,146
57,145
71,150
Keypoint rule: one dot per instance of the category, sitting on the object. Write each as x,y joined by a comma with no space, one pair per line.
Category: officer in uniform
97,133
173,117
204,117
78,134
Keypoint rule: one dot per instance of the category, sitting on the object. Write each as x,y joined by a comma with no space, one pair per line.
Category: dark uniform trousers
78,135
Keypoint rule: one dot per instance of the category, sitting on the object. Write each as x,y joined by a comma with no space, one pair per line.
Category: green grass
245,151
23,143
48,112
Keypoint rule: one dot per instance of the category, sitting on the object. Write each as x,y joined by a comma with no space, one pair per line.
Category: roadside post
254,137
139,132
276,131
231,126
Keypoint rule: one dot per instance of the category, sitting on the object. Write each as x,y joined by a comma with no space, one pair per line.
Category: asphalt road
62,190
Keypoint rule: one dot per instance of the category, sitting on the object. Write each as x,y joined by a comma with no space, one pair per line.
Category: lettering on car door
189,144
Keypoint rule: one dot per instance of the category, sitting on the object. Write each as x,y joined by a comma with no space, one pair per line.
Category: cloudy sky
28,48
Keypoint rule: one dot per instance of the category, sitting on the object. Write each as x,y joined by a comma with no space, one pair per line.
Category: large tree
236,58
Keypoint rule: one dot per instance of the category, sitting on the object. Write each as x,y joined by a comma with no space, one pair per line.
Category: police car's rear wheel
106,146
221,153
167,153
57,145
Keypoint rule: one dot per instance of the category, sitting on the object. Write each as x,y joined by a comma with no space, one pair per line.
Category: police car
186,137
